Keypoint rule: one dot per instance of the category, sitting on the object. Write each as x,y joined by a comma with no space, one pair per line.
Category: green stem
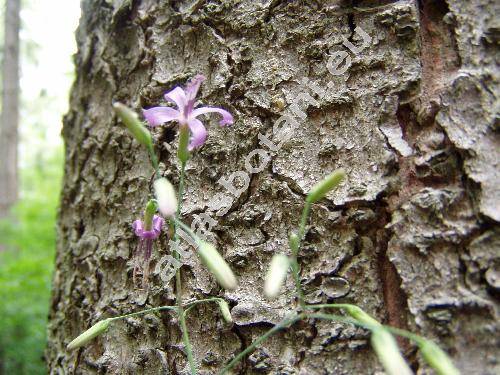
295,251
190,305
296,277
186,229
329,305
303,221
178,278
342,319
398,331
403,333
173,308
154,162
213,299
265,336
361,318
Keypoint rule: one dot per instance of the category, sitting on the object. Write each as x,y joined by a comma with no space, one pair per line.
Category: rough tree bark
412,237
10,108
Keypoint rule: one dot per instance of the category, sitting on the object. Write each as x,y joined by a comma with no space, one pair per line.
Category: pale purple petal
198,133
157,223
138,227
159,115
178,97
149,235
192,90
227,118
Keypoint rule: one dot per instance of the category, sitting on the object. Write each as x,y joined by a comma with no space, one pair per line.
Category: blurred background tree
28,235
10,108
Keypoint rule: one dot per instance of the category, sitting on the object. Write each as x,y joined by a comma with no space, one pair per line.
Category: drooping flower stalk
178,279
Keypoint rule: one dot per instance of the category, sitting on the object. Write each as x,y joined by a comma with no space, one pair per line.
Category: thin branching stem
398,331
171,308
154,162
341,319
330,305
190,305
186,229
284,324
303,221
298,287
295,251
178,279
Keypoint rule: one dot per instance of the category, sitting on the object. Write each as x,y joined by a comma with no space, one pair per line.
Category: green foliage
26,265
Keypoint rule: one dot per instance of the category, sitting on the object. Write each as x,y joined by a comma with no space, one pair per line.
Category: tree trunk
411,237
10,108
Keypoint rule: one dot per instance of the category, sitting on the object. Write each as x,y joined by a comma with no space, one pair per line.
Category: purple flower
145,247
186,113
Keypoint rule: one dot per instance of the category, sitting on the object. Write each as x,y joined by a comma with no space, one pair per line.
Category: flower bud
134,125
224,309
165,196
149,213
327,184
276,275
437,358
294,241
217,265
88,335
388,353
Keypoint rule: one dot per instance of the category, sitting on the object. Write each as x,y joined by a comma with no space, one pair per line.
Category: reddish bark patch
394,296
439,57
409,183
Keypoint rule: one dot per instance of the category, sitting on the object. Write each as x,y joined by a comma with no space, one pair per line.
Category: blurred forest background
27,230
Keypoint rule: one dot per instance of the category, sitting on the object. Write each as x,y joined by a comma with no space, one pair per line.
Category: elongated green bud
88,335
327,184
134,125
294,241
165,196
388,353
276,275
358,314
149,212
217,265
437,358
224,309
183,151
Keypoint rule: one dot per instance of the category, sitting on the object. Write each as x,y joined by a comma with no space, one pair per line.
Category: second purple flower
145,247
